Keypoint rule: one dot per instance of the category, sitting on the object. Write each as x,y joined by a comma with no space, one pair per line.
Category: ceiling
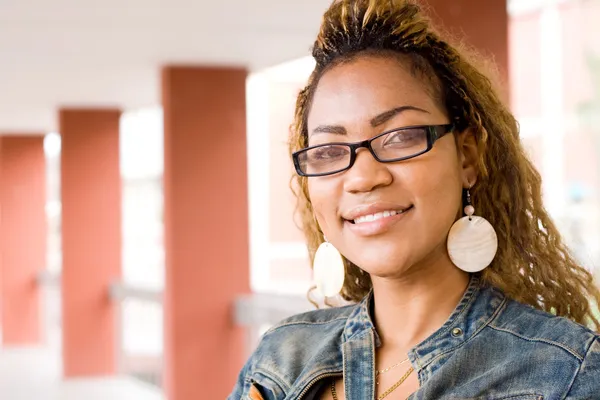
109,53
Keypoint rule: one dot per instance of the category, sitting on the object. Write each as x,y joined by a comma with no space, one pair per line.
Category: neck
410,308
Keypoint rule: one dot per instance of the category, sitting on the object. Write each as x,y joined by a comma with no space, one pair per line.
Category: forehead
355,91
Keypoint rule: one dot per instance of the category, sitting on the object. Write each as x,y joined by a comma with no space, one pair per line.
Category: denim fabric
490,348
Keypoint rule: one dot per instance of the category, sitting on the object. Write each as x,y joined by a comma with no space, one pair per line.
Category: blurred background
147,235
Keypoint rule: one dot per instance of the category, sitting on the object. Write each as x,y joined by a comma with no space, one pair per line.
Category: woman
396,137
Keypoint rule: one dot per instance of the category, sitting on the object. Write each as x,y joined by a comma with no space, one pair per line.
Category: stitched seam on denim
344,367
541,340
587,352
519,396
273,329
372,337
272,376
485,324
356,335
345,359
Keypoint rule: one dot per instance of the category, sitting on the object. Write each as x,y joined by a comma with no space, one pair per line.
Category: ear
468,156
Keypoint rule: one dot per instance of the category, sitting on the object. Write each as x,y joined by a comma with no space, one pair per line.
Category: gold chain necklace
333,391
383,371
384,394
397,384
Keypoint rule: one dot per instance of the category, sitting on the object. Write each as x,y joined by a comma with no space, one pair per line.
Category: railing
48,278
120,291
140,322
50,285
255,312
258,312
140,327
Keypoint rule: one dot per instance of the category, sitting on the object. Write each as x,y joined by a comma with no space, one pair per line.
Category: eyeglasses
391,146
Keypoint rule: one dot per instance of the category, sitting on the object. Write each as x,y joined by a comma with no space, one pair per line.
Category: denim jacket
490,348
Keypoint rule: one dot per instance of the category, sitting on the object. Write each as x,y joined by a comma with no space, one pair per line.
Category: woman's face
351,104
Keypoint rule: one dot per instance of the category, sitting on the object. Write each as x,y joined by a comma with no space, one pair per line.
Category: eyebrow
375,121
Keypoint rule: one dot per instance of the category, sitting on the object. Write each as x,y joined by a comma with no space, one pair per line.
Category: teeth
376,216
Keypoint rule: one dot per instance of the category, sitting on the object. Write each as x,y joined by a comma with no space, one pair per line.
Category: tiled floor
34,374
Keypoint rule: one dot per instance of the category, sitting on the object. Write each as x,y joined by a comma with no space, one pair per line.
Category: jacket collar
360,320
478,306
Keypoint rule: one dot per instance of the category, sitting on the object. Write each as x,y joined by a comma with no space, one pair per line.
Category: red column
206,222
91,239
483,24
22,236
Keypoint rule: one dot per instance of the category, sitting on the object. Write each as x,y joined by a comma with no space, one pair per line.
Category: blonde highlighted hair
532,265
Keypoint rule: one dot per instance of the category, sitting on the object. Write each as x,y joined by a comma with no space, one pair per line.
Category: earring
328,270
472,241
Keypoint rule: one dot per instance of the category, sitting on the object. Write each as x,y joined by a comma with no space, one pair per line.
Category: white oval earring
472,241
328,270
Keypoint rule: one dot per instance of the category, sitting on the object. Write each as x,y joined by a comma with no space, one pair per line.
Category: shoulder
536,326
300,343
553,353
314,320
586,383
294,333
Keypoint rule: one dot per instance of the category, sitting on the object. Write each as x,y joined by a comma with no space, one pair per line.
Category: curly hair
532,265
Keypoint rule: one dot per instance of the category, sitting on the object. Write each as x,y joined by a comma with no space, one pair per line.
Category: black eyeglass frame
434,132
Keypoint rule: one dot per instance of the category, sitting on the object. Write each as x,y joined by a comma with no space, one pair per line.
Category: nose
366,174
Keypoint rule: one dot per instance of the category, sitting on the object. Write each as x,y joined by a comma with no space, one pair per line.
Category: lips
375,219
374,211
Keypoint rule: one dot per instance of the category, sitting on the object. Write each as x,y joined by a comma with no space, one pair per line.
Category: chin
381,263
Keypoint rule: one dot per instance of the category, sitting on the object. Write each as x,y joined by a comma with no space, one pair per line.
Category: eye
328,153
405,138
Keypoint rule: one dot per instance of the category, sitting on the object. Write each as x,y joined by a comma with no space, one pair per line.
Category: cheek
323,192
442,189
436,189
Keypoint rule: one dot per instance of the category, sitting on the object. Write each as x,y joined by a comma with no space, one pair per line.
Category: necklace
383,371
396,385
333,391
384,394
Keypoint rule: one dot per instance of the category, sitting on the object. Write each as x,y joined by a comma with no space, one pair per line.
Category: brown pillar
91,239
22,236
206,222
484,25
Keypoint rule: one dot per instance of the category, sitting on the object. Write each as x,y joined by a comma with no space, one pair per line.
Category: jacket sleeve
586,384
240,385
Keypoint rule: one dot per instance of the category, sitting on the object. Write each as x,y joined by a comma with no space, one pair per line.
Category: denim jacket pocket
260,387
254,392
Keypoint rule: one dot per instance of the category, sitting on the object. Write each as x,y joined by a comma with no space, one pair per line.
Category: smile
377,223
374,217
